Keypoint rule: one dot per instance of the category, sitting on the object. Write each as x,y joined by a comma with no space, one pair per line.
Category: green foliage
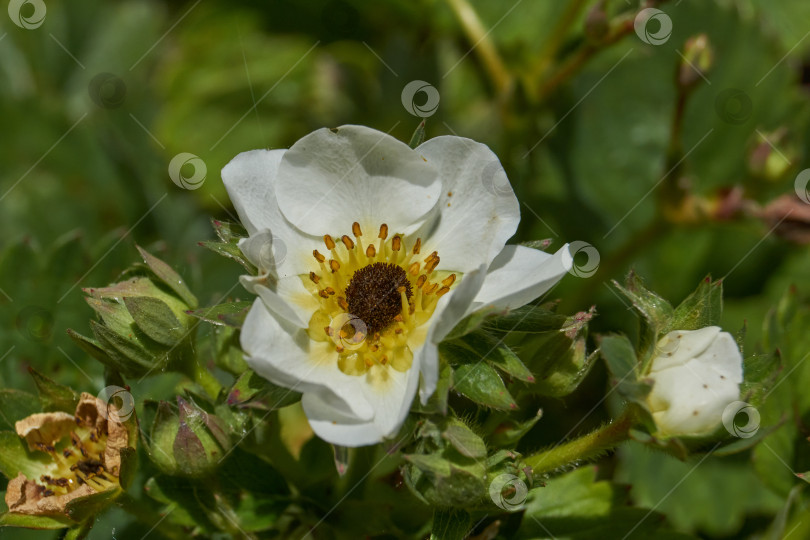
599,142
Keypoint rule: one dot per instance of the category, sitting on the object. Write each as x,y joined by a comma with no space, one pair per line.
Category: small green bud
697,60
144,326
189,442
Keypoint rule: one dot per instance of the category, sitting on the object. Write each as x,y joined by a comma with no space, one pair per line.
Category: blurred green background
597,139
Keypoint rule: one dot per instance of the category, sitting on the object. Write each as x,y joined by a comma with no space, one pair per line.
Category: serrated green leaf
481,383
156,320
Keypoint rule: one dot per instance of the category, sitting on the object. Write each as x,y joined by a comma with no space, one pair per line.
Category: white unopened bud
696,374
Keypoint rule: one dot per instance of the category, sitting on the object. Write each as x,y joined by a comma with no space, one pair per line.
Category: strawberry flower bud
695,374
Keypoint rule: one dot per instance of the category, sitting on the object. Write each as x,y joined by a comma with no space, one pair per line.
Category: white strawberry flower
696,375
370,252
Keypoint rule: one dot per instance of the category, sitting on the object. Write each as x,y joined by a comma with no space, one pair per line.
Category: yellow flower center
374,299
77,459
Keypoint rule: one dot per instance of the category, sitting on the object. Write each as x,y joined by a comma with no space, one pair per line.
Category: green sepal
481,384
52,395
230,251
228,314
486,347
156,320
464,440
253,391
168,276
418,136
228,231
700,309
450,524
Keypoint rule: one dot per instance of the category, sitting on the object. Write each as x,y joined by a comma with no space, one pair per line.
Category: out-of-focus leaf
16,405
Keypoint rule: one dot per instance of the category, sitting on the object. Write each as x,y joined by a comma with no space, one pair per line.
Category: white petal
724,357
478,211
690,399
696,375
450,309
330,179
250,181
680,346
280,249
520,274
285,355
289,299
391,400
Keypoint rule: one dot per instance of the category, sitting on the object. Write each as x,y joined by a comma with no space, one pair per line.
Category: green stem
558,34
483,45
575,62
588,447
